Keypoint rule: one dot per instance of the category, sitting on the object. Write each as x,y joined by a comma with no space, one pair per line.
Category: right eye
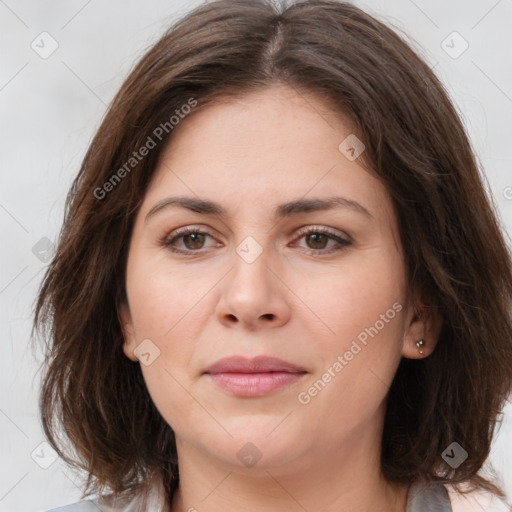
191,237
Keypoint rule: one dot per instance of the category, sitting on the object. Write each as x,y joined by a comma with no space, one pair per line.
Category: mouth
254,377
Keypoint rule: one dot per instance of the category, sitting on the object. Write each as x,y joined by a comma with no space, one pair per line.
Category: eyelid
322,229
169,237
342,241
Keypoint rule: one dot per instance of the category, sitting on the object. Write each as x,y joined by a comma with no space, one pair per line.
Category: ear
130,339
424,323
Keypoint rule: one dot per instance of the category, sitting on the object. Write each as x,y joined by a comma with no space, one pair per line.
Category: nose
254,294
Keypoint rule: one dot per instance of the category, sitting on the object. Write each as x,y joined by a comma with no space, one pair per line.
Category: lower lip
254,384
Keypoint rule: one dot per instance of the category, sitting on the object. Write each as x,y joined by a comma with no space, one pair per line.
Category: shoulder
475,501
154,501
105,504
81,506
430,497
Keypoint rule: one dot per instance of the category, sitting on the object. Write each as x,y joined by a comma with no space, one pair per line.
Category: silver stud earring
419,344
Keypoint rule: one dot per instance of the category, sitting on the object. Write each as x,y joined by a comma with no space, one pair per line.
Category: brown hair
456,258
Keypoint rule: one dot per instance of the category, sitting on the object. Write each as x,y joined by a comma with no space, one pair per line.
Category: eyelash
168,241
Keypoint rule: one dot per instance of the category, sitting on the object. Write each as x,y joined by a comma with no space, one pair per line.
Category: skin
251,154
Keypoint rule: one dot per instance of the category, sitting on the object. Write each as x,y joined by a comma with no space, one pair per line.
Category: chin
243,434
258,442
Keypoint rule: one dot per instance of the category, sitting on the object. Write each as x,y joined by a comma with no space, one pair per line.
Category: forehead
263,148
274,118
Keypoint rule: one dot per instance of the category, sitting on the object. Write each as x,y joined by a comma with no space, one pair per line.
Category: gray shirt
421,498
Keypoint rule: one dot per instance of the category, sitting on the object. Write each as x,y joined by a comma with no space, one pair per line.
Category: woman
280,284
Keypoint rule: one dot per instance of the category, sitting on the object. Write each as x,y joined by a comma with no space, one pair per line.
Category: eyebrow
208,207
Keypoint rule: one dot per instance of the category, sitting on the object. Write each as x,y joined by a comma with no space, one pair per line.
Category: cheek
161,298
362,306
352,298
169,306
161,309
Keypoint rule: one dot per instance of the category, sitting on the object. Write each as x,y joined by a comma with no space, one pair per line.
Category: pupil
317,239
196,240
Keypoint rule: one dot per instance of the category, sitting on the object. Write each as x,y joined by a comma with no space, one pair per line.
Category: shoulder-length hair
457,260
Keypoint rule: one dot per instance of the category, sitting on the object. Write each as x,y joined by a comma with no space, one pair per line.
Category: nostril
269,316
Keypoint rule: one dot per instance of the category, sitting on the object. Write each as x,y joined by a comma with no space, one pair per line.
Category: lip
259,364
255,377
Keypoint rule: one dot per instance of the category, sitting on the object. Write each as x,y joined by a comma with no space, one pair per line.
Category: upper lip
259,364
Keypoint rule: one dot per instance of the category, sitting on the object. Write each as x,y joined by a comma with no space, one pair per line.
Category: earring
419,344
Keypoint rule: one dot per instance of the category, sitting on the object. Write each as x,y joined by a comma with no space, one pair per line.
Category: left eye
316,239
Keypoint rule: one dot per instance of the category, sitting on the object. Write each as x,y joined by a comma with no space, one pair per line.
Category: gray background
50,108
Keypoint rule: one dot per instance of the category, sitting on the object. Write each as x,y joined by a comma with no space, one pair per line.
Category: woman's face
296,256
